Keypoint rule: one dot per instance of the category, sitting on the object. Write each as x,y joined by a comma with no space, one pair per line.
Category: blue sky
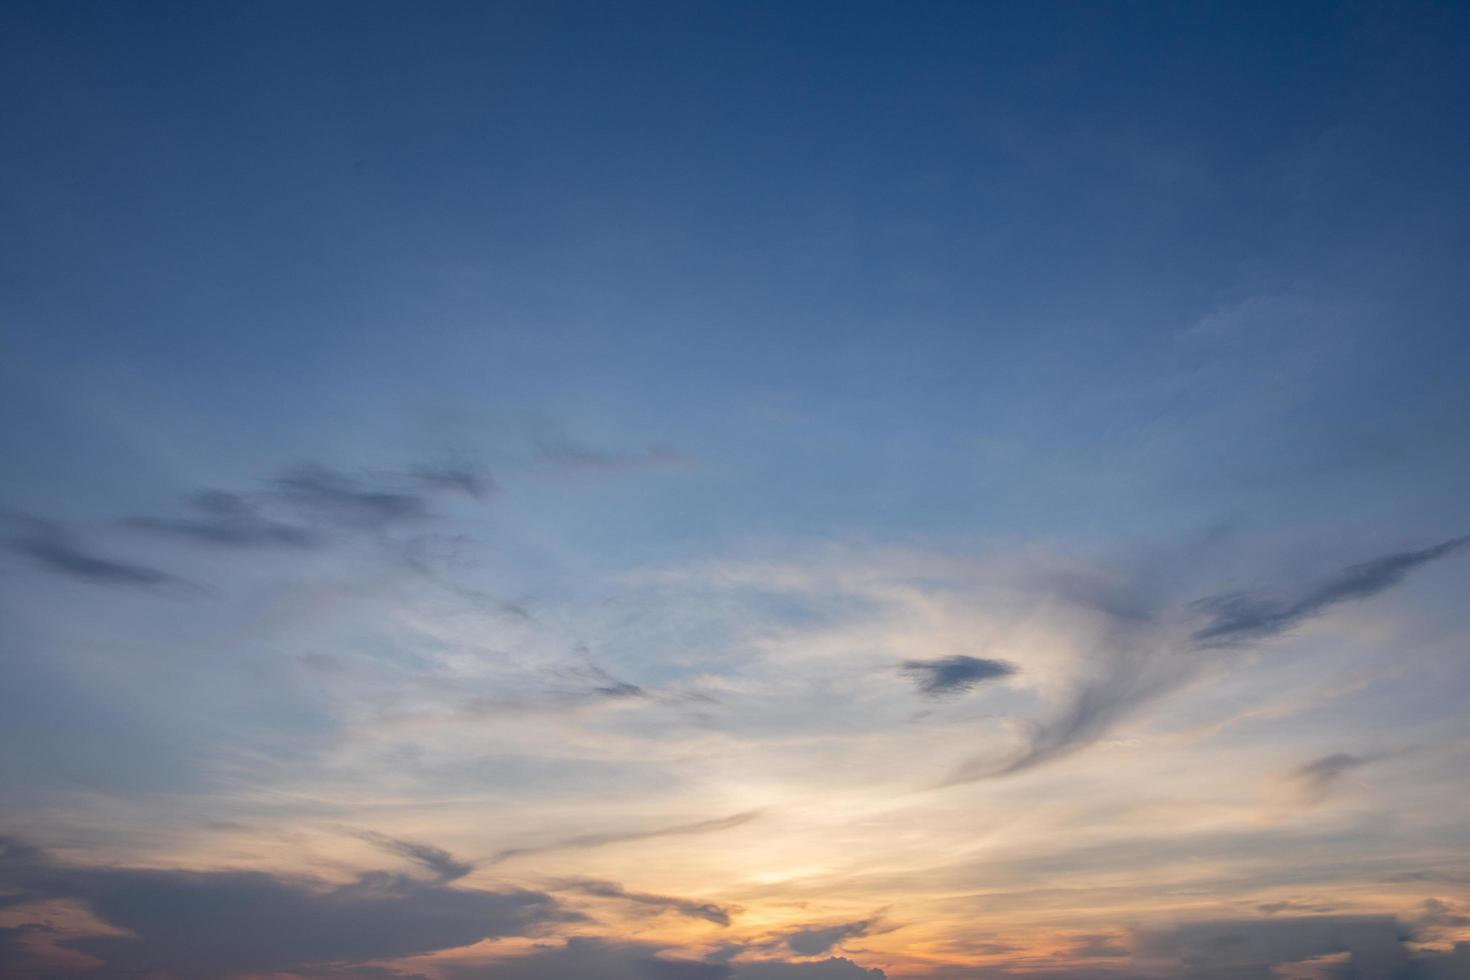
630,406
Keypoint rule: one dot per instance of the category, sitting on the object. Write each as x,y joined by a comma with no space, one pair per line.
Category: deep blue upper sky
937,267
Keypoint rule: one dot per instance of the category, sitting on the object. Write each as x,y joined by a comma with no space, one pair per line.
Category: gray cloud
1251,948
565,454
338,499
1316,780
1241,616
443,865
471,481
587,958
1136,663
54,548
229,520
220,923
603,840
718,914
815,940
954,675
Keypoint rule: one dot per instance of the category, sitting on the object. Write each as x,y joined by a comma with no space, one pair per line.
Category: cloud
954,675
1100,945
470,481
817,940
55,549
228,520
336,498
444,866
718,914
589,958
1241,616
1239,949
220,923
603,840
1314,781
1137,662
566,454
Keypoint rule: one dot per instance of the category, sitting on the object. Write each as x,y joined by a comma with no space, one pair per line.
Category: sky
734,490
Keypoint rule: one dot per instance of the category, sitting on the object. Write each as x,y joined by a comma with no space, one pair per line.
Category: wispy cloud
52,547
587,841
709,911
1238,617
443,865
562,452
1138,662
229,520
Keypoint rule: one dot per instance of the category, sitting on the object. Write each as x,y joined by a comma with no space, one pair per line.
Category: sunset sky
734,490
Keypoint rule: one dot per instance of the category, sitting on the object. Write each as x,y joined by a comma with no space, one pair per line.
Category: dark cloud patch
1272,908
815,940
954,675
54,548
443,865
587,841
220,923
1242,616
335,498
227,520
710,912
1249,948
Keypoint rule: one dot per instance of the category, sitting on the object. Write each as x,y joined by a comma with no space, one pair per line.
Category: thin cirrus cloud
228,520
588,841
709,911
1137,662
1240,617
51,546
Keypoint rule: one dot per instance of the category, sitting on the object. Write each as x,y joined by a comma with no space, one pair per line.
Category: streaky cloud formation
589,841
1140,663
591,958
336,498
709,911
444,866
954,675
228,520
51,546
1240,617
